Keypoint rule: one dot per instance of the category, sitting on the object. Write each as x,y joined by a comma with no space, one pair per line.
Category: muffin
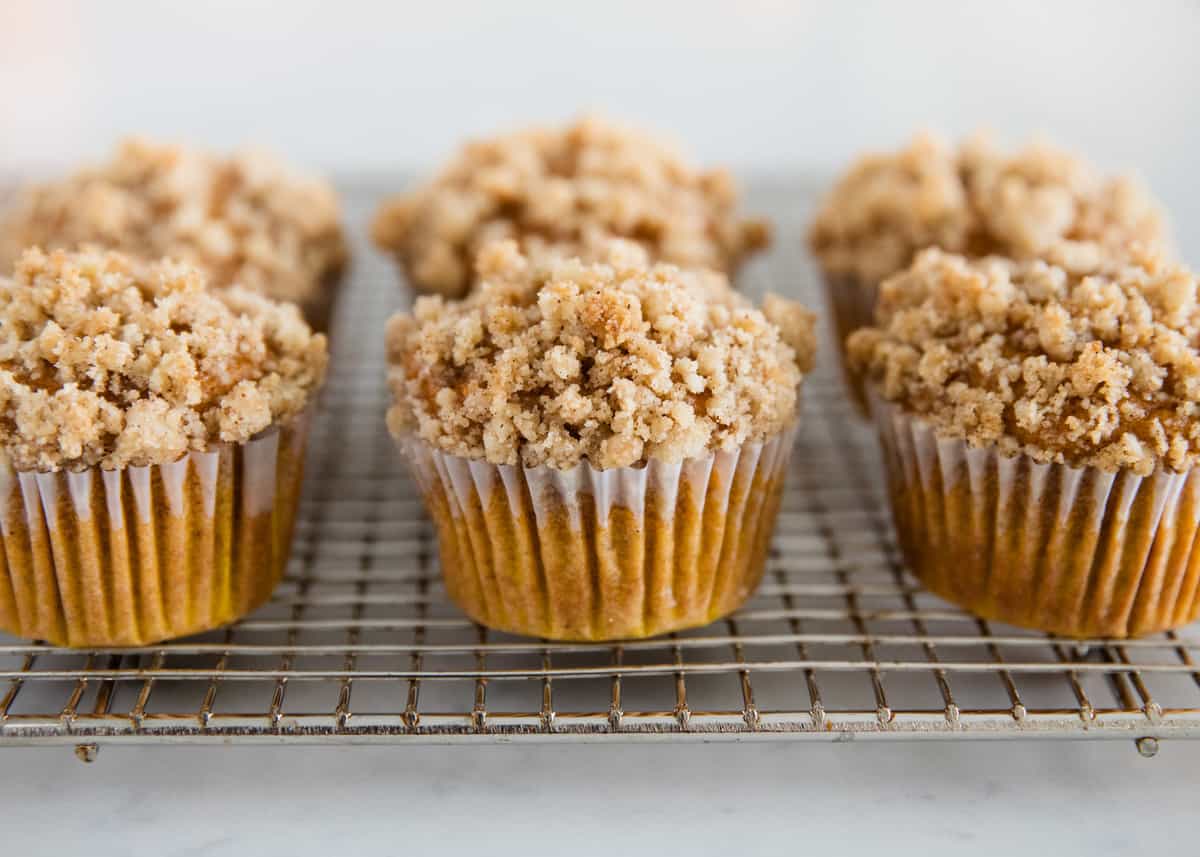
565,191
976,201
1041,425
244,219
602,446
151,448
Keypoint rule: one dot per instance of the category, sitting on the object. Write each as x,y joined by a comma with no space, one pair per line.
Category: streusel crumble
1079,358
106,360
566,191
243,219
554,361
975,200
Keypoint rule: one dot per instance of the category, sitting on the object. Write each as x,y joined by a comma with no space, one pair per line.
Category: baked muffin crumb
107,360
1079,358
974,200
567,192
245,219
552,361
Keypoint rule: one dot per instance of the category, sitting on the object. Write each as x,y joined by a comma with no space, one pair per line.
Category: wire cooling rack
360,643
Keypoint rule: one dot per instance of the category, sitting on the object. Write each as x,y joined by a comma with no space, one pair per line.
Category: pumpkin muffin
151,447
566,191
975,200
1041,425
601,445
244,219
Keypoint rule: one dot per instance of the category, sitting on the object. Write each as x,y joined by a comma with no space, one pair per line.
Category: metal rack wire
360,644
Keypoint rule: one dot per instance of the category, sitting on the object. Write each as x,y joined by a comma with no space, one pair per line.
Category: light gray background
765,85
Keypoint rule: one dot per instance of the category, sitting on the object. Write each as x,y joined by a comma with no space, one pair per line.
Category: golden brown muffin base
1078,552
152,571
543,568
852,306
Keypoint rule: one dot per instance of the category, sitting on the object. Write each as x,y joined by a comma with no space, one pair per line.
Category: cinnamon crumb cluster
550,362
977,201
1079,359
243,219
566,191
110,361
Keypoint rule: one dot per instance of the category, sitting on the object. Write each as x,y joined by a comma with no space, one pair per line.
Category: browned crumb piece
243,220
796,327
109,361
555,361
1079,359
568,191
975,201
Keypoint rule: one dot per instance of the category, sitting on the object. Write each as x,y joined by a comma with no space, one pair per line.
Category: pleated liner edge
591,555
143,554
1080,552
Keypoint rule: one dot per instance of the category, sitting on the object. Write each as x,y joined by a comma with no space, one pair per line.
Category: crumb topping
110,361
1079,358
553,361
977,201
566,190
243,219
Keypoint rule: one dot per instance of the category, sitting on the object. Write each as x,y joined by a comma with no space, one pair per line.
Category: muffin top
570,190
1079,358
110,361
553,362
976,201
243,219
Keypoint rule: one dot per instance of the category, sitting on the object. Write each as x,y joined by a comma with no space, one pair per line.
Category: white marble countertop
926,798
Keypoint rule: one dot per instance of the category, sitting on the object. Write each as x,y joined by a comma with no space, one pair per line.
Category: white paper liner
589,554
131,556
1080,552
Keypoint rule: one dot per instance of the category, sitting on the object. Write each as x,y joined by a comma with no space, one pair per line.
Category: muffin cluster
1030,354
565,192
599,423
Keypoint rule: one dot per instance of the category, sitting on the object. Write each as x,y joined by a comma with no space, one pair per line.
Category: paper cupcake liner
585,554
317,309
1080,552
142,554
853,306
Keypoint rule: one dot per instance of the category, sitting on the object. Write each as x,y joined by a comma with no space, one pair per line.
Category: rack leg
87,753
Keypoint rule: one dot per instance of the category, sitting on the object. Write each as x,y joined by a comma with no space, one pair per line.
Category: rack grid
360,644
